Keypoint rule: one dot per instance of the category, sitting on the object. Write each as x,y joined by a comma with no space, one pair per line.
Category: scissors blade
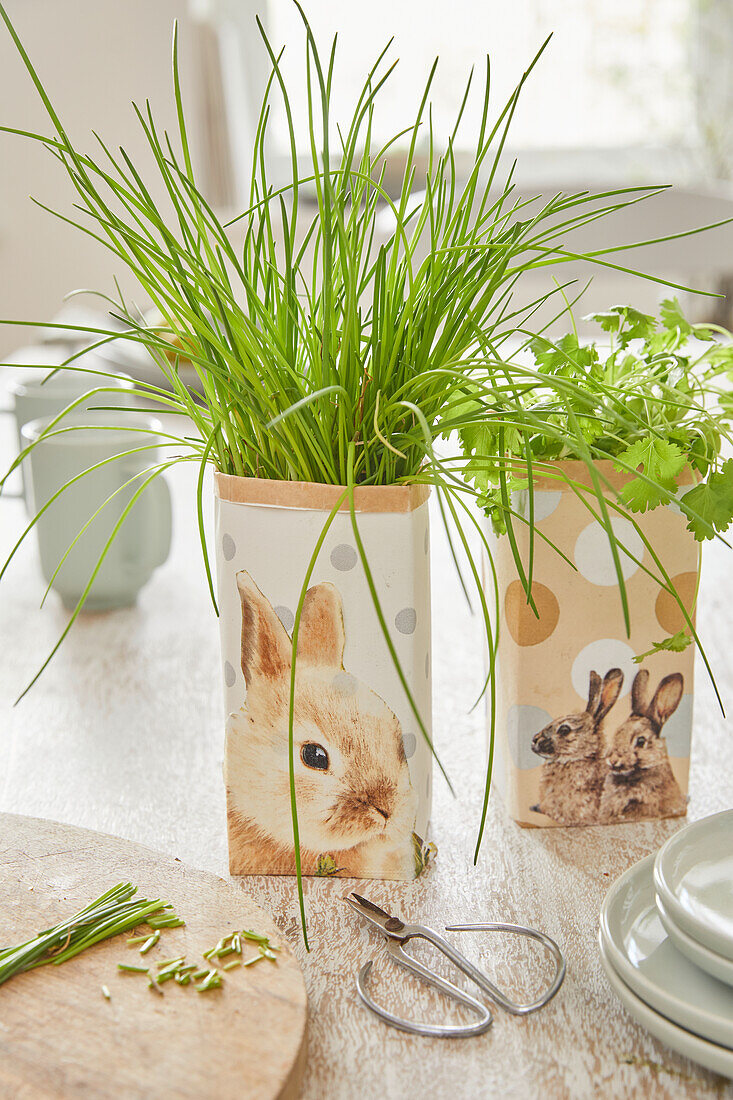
385,922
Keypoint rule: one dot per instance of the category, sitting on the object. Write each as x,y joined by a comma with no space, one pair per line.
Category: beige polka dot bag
587,732
362,768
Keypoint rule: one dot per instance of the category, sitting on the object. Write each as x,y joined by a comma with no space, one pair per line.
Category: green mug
142,543
39,394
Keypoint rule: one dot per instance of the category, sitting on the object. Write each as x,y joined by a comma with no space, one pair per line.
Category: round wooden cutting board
60,1037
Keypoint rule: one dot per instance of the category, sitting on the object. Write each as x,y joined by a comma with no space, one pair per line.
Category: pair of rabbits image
353,793
590,777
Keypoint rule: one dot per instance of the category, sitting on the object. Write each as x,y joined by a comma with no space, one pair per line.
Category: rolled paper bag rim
315,496
556,475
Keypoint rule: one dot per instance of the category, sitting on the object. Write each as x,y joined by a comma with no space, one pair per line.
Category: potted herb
331,359
596,640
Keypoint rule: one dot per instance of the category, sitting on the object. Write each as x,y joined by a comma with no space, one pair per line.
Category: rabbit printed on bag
352,783
573,773
639,781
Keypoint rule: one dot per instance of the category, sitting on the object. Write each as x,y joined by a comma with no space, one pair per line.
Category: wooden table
124,733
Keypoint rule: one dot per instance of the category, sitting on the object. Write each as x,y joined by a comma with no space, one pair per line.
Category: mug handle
159,498
154,515
10,494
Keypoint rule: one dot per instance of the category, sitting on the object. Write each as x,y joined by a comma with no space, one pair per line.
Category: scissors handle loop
514,1007
416,1027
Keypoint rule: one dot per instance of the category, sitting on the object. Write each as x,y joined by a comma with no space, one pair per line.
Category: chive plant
324,351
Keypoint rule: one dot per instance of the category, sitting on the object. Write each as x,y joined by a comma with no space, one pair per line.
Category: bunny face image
352,781
575,736
637,743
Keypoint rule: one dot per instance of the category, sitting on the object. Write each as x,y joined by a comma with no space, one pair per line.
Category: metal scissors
397,933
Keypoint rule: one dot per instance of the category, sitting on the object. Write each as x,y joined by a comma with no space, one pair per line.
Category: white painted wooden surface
124,733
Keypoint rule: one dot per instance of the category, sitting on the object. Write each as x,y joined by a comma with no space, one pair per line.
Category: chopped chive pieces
222,954
253,960
137,939
200,974
106,993
132,969
150,942
266,953
211,981
170,962
250,935
232,964
167,922
152,984
183,979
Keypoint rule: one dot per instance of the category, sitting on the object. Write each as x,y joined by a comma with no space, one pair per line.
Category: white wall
94,57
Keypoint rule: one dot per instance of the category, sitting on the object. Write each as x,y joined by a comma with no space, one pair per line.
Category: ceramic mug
36,396
142,542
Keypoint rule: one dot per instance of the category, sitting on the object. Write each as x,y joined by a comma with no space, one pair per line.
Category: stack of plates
666,938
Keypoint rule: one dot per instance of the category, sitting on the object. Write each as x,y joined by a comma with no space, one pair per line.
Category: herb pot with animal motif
594,725
361,767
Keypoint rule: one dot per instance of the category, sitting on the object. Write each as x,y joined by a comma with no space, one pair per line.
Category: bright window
614,74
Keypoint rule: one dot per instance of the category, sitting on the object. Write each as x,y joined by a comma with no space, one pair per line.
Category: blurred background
634,92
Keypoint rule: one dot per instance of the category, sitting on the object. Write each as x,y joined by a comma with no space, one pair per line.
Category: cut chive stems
138,939
170,962
232,964
149,943
106,993
114,912
255,936
132,969
212,980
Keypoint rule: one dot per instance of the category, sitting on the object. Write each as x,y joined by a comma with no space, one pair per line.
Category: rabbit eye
314,756
640,742
563,730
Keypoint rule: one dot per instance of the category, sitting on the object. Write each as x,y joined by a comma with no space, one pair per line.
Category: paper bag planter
585,734
362,768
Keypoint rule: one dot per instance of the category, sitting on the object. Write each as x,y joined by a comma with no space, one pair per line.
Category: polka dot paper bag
362,767
589,730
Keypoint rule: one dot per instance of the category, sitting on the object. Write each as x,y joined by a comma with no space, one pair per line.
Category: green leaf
424,853
628,323
566,358
676,643
657,459
713,502
639,496
673,318
326,866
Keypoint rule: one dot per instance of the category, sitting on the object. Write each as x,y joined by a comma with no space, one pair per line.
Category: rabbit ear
612,682
639,693
321,635
594,692
666,699
266,646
